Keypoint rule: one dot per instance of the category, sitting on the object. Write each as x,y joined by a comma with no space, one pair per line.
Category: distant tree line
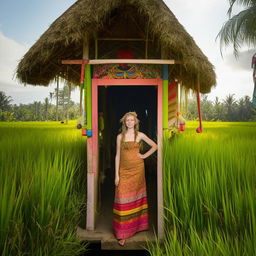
228,109
65,110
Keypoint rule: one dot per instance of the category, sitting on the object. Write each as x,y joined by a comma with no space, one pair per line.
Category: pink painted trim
160,227
128,82
95,126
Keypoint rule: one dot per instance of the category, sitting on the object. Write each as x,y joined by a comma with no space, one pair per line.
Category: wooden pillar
88,98
90,209
200,128
160,206
165,98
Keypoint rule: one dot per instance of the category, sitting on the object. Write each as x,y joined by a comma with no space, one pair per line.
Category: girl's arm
150,143
117,159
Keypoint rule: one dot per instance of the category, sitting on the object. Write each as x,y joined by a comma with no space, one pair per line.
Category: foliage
240,28
37,111
42,188
209,191
5,101
228,110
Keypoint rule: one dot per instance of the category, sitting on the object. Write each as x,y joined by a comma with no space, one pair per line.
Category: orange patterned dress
130,204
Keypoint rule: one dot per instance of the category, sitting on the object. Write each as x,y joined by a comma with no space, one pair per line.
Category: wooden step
109,242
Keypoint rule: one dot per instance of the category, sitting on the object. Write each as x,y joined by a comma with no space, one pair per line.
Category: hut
125,55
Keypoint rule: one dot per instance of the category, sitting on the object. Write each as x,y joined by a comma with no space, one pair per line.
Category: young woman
130,204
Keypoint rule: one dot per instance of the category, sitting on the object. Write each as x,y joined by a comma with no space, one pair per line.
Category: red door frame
92,176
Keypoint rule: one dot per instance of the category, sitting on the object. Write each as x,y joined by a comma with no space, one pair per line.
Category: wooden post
165,98
146,42
96,48
81,90
164,131
160,201
200,128
88,97
57,100
90,211
85,101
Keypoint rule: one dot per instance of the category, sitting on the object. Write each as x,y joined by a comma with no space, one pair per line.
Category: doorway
96,214
113,103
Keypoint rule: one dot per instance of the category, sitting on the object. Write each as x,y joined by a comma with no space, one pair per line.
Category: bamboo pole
88,97
118,61
200,128
96,48
85,56
57,100
165,97
165,88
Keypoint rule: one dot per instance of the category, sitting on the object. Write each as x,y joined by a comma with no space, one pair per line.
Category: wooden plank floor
104,232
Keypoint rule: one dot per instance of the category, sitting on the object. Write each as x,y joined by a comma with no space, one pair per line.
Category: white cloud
203,20
231,82
10,54
243,62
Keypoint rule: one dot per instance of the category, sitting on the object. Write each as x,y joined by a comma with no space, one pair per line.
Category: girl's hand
141,156
116,181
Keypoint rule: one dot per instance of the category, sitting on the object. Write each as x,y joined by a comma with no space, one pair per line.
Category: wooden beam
74,62
131,61
117,61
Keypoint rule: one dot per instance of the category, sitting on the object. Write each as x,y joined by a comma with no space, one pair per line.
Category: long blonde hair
124,127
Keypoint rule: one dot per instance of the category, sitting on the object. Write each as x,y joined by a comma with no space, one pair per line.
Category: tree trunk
57,100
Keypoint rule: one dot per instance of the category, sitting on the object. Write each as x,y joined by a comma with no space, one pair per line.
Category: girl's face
130,121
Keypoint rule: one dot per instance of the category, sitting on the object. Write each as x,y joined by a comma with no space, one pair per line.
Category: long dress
130,203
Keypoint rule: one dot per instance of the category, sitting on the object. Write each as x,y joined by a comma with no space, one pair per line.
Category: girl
130,204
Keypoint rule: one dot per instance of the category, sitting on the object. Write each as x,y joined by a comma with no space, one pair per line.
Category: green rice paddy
209,190
42,188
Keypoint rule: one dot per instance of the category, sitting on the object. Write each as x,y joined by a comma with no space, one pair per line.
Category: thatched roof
91,18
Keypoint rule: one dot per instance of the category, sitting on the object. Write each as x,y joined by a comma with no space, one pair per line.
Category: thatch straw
64,40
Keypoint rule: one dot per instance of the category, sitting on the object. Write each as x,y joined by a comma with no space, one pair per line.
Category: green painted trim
88,82
165,104
85,98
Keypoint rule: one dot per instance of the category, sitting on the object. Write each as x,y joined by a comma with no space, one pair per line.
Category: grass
42,187
210,191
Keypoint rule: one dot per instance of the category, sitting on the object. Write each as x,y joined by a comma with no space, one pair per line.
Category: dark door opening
114,102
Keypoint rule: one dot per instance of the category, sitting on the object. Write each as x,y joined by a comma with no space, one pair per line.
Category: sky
23,22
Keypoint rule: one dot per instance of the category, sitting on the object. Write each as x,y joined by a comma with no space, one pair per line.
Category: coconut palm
240,28
230,104
5,101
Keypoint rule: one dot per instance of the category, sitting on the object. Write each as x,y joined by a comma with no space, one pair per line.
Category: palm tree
240,28
230,104
5,101
46,108
57,98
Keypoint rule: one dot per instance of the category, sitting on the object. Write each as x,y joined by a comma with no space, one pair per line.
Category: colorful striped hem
122,213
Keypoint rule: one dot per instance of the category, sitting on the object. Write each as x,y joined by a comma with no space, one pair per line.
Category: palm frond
245,3
240,29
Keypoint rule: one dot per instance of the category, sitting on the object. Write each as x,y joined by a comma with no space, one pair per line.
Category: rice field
210,191
42,188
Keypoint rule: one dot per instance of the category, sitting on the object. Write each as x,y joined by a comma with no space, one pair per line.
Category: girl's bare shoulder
141,135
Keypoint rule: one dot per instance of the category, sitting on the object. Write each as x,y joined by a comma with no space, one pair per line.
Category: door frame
92,176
